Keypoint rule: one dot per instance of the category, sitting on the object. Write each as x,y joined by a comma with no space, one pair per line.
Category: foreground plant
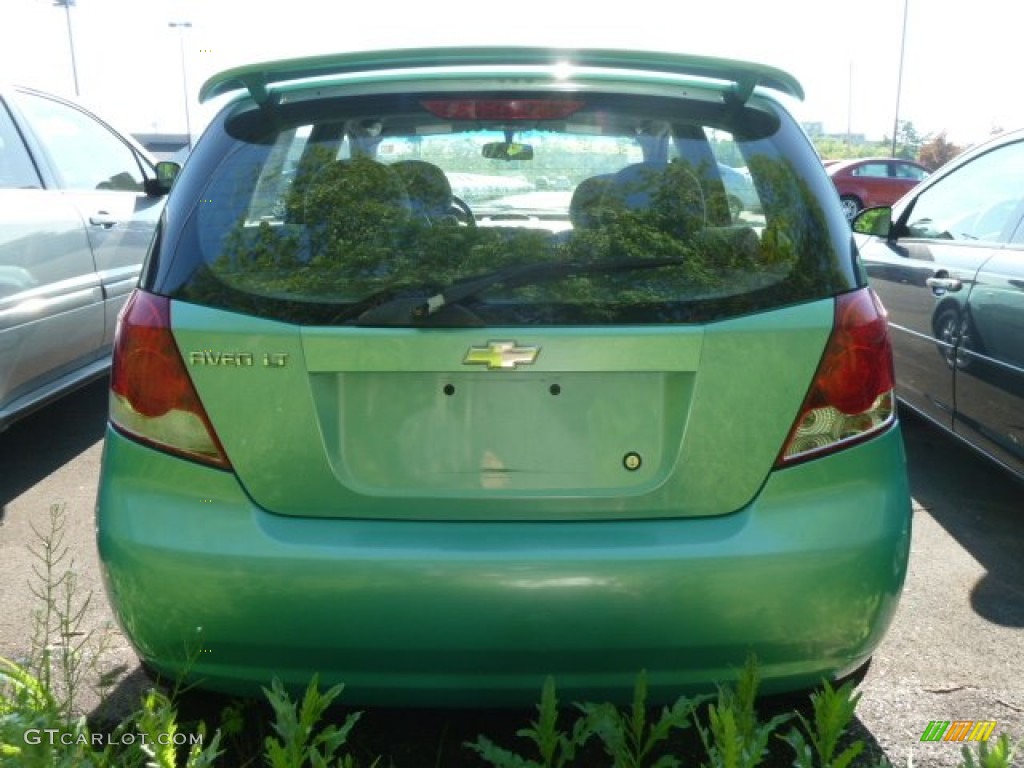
39,720
38,694
556,748
62,653
28,712
1000,755
833,711
734,738
630,739
157,721
298,742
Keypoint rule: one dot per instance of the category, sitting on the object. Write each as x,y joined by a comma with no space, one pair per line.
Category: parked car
439,451
872,181
78,205
948,261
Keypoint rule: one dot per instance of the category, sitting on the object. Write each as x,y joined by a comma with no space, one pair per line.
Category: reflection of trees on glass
348,233
796,232
123,182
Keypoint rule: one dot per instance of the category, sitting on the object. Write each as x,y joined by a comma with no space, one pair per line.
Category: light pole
181,26
66,5
849,105
899,79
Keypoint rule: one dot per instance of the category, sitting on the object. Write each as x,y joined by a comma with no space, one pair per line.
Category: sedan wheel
951,329
851,205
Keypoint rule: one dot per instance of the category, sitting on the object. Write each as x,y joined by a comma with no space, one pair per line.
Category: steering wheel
463,212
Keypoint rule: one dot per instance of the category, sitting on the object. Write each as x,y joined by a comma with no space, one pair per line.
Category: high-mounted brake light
151,395
502,109
851,397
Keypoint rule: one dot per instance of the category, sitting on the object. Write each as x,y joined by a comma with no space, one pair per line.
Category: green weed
734,738
298,743
62,654
630,739
39,720
556,748
1000,755
833,712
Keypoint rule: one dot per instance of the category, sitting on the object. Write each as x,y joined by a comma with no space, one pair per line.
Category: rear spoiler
258,78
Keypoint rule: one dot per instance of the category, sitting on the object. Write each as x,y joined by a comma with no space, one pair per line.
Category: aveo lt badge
501,354
207,357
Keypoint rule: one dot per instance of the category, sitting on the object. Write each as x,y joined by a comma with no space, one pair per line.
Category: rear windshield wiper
412,310
380,298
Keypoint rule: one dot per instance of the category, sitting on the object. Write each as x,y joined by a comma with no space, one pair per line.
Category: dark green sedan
948,260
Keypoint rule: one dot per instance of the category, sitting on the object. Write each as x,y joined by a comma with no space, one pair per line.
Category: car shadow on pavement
42,442
978,504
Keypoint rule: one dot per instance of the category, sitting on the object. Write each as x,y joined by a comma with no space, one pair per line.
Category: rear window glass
507,209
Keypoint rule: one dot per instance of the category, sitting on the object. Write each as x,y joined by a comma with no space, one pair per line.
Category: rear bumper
807,577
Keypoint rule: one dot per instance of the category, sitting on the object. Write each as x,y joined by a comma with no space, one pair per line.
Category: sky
959,60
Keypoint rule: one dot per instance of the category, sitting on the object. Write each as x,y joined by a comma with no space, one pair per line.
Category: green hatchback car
390,407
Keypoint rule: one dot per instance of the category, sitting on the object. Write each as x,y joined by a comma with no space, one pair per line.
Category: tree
835,148
908,141
938,152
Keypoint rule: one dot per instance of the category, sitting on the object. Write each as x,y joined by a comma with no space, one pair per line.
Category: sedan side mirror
166,173
873,221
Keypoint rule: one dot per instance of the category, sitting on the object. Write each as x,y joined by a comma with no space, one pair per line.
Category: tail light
151,395
852,394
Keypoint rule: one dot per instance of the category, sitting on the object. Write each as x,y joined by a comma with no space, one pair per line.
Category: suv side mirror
873,221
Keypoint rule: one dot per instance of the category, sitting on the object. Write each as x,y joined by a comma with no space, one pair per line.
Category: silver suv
78,206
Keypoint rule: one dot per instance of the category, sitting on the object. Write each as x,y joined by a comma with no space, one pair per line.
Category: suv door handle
944,284
102,219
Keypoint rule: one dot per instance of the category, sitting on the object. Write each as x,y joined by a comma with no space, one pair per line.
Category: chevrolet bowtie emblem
501,354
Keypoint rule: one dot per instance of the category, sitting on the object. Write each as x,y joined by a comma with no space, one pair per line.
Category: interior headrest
428,187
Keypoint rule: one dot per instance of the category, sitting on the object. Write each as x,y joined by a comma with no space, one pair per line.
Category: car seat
669,195
354,203
585,204
428,188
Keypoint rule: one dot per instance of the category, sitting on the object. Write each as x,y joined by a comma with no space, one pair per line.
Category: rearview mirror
507,150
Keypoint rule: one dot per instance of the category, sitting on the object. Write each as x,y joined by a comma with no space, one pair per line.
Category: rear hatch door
514,423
